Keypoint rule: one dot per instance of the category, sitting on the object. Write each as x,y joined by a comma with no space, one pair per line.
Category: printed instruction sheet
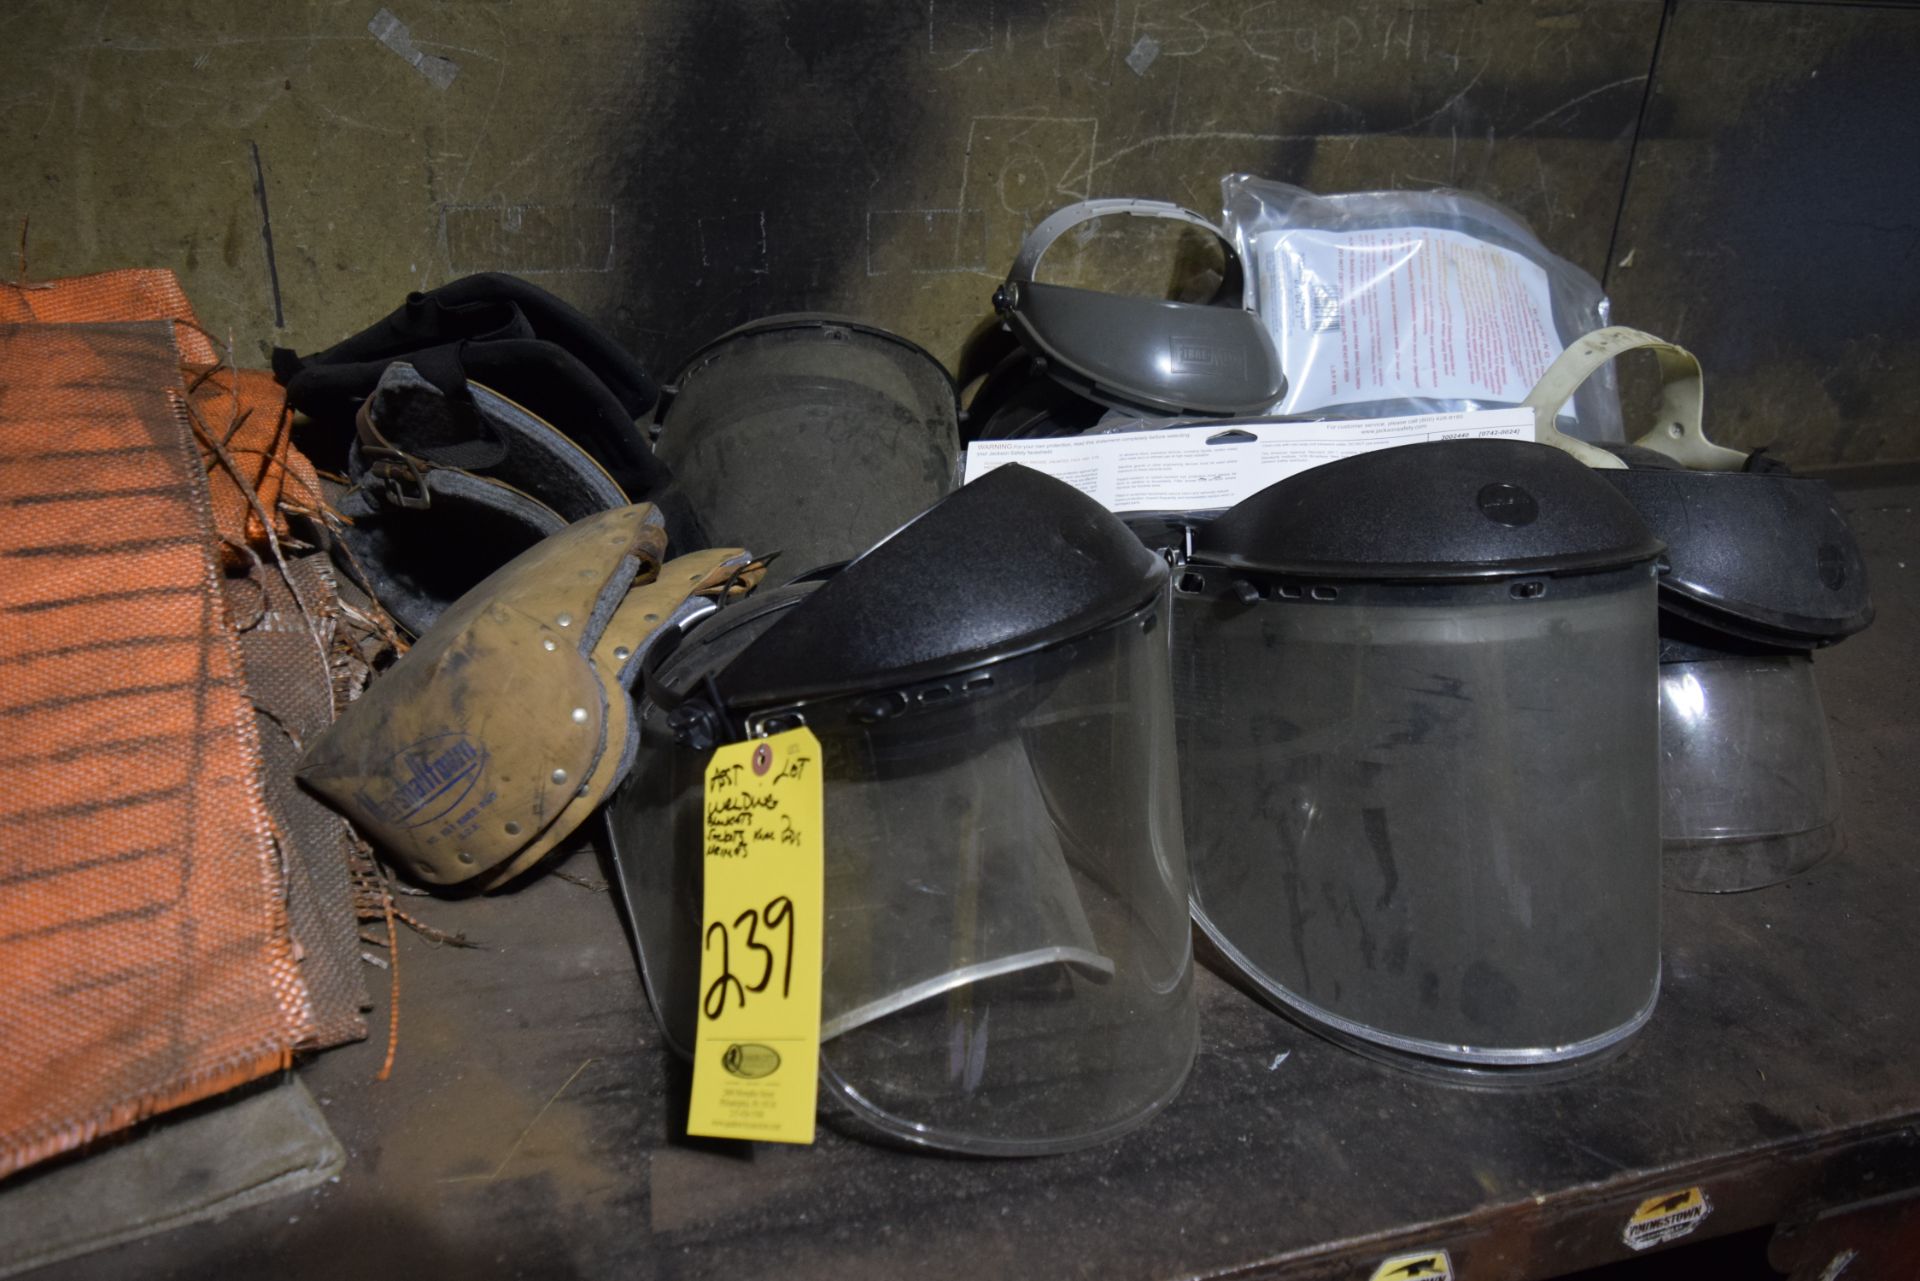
1212,467
1412,313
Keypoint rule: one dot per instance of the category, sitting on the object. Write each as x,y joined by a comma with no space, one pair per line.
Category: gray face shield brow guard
1145,355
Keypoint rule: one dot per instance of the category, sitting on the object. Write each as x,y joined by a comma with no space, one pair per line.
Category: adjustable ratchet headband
1061,221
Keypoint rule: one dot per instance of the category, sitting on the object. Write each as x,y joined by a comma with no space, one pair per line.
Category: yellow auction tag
756,1061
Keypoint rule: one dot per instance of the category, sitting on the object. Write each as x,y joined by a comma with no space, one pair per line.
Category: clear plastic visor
1749,792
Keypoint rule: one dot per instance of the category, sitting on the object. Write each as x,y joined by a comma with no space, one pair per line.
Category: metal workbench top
531,1127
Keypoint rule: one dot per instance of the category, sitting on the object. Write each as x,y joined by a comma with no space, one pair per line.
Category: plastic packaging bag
1401,302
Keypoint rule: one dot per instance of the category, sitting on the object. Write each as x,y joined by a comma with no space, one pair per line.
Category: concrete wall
677,166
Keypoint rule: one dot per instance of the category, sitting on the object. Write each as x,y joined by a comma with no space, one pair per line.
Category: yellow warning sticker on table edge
1666,1217
1422,1265
756,1057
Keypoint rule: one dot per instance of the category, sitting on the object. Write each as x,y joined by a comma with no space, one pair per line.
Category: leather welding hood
448,488
510,721
500,356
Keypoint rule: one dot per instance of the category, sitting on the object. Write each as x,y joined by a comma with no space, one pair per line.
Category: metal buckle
398,470
392,465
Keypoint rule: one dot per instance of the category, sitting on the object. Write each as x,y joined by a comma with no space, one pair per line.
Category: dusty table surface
531,1126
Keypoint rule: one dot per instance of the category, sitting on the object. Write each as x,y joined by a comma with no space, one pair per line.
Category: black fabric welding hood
1448,510
1764,558
455,332
1143,355
1007,956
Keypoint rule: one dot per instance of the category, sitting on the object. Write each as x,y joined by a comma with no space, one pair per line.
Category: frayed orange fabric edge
202,1085
289,988
259,424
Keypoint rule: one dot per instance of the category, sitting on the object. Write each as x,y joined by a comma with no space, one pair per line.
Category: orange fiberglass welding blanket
244,408
145,960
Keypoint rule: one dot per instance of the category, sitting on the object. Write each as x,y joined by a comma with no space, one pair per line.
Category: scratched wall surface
678,166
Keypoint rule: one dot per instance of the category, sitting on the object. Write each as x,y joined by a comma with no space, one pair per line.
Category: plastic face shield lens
1749,792
1421,828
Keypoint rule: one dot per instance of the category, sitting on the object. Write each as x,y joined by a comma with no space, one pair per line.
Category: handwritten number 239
777,914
